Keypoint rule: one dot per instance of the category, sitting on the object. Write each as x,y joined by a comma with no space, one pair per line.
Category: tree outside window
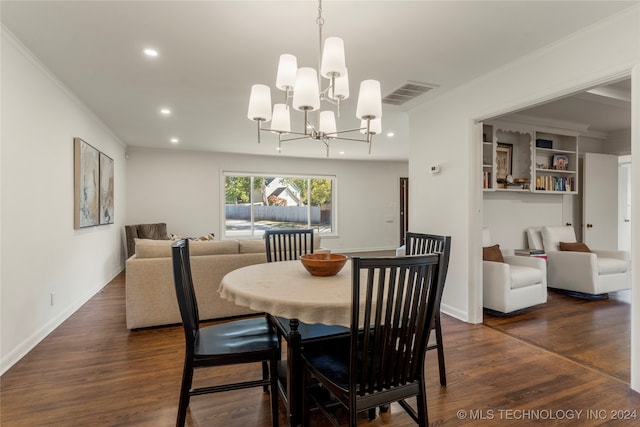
254,203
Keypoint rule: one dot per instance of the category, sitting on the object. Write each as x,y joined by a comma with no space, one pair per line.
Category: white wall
183,189
619,143
508,215
442,130
41,251
592,145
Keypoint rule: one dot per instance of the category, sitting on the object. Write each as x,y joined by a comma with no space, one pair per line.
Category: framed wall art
86,184
106,189
504,160
560,162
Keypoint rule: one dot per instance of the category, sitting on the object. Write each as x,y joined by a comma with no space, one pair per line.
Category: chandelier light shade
304,92
369,100
340,90
281,121
375,126
260,103
287,68
333,63
327,124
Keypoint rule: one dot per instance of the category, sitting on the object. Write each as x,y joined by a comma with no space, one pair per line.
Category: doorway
618,95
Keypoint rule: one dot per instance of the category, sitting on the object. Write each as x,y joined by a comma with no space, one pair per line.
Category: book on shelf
555,183
486,179
529,252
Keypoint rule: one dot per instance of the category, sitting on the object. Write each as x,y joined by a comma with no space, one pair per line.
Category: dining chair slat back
288,245
394,302
421,243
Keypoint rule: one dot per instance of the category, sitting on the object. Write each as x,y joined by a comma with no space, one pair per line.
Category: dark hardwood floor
596,334
537,368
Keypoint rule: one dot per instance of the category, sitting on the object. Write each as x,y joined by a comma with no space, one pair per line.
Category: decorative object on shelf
544,143
504,162
560,162
302,88
93,184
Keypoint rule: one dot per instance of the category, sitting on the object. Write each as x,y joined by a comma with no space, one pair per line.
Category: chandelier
301,88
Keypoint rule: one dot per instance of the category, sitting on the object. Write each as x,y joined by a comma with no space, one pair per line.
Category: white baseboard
34,339
454,312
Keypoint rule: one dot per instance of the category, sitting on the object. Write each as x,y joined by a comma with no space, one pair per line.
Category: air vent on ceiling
407,92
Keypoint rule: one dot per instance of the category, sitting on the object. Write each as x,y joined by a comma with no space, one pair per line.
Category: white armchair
517,283
594,273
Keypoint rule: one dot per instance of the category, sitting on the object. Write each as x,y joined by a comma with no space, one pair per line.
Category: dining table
287,289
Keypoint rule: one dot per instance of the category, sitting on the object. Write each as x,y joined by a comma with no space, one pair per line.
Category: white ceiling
210,52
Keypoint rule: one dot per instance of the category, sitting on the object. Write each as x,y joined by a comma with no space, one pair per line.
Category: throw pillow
574,247
492,253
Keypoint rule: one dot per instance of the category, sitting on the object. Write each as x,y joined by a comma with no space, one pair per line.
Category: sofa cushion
210,247
146,248
252,246
574,247
492,253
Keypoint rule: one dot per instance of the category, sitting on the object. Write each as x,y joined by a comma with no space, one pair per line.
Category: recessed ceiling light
165,111
390,134
174,140
342,152
151,52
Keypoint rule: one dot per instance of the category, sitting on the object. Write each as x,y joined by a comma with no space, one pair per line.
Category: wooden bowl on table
323,264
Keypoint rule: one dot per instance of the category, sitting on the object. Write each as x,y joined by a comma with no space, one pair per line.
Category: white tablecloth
287,289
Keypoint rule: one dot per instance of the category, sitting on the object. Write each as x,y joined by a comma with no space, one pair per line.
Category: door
600,201
404,208
624,204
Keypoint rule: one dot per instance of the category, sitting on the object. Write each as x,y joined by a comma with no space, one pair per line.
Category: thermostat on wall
435,169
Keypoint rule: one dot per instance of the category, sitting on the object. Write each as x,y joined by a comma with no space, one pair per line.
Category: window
254,203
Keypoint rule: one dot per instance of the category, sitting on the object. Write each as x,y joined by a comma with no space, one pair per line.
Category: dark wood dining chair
381,361
243,341
418,244
289,245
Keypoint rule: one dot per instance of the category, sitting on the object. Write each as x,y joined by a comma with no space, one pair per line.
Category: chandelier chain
320,22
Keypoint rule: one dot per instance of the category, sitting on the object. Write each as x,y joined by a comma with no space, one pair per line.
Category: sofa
150,293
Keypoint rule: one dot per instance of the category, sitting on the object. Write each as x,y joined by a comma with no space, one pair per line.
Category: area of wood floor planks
543,369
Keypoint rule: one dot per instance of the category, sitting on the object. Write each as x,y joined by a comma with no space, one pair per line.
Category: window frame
252,231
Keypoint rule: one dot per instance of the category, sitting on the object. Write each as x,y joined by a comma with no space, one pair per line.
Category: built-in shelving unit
556,163
523,158
488,156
